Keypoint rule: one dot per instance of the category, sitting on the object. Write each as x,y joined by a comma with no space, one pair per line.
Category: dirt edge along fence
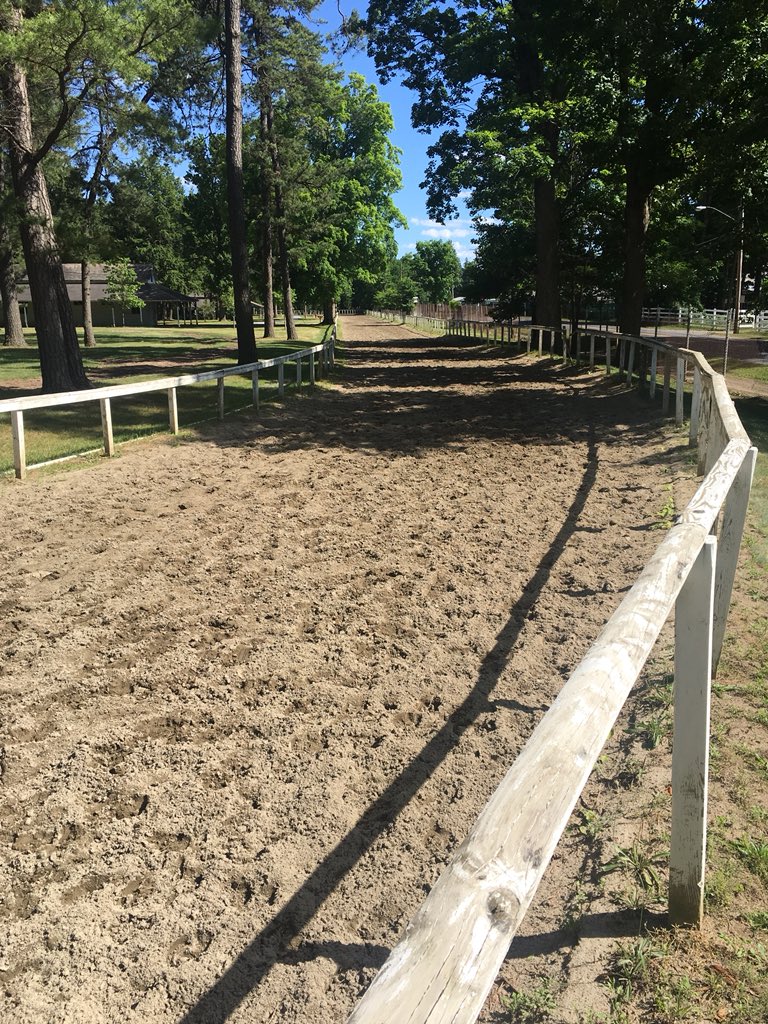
104,396
447,960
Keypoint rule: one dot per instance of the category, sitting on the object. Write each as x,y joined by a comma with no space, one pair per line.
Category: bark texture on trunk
329,311
547,307
546,210
89,339
266,229
637,215
60,362
246,337
280,225
14,335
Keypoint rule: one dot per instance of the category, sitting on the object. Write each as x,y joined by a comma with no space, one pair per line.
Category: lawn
123,355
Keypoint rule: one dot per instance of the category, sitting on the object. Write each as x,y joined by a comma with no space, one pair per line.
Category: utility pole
739,267
739,220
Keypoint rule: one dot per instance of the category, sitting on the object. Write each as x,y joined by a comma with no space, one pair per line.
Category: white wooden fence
105,396
711,319
443,967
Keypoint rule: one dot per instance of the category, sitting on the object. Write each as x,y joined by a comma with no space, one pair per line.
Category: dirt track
256,685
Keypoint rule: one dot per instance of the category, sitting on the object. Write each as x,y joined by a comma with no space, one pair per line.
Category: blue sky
413,162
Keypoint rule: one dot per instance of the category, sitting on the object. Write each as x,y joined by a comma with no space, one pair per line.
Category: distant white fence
443,967
711,319
708,319
105,396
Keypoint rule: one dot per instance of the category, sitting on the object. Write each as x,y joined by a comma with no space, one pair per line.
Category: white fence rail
105,396
711,319
443,967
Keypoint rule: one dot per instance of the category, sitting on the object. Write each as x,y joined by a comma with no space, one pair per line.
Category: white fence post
281,379
679,390
654,361
731,530
591,351
173,411
693,428
106,427
630,363
19,448
298,373
312,368
255,388
690,752
220,383
665,391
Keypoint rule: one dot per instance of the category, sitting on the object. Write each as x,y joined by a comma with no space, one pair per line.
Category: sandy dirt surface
256,684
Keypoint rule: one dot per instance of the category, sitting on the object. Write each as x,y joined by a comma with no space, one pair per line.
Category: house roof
149,289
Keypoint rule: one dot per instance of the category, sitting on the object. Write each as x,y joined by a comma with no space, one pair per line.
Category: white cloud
464,252
459,232
446,232
452,231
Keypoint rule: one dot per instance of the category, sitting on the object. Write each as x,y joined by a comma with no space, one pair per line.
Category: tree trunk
547,306
89,340
246,338
60,361
329,311
269,294
546,211
547,215
266,230
14,335
637,215
282,234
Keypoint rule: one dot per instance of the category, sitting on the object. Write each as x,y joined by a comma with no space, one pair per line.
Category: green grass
132,355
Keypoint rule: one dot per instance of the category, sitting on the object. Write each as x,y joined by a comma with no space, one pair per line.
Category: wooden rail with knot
105,396
447,960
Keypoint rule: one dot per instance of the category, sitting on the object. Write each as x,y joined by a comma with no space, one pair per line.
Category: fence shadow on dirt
277,942
404,408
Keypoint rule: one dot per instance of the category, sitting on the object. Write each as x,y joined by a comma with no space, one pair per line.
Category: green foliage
588,97
435,270
341,211
147,220
123,286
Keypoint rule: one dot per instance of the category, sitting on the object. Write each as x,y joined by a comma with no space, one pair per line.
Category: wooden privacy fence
105,396
443,967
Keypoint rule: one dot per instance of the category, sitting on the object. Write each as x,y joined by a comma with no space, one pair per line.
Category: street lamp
739,257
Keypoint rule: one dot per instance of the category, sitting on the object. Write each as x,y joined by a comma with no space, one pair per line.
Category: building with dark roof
160,302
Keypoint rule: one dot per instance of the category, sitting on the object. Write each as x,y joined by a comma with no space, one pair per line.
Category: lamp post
739,258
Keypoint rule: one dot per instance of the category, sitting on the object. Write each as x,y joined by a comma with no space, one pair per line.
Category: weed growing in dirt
532,1007
629,774
667,511
575,906
754,853
640,863
652,731
592,824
